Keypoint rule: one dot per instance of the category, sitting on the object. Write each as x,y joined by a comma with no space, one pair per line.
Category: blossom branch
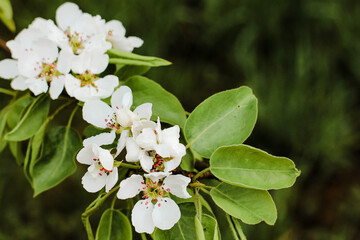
200,173
8,92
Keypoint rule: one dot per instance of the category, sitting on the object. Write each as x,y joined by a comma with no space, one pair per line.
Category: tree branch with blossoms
184,169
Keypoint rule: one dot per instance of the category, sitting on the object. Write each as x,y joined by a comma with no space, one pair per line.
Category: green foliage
250,205
32,120
125,71
223,119
249,167
17,110
164,104
6,14
113,225
57,163
125,58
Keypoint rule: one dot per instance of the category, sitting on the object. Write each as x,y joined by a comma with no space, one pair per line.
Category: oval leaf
57,163
17,109
225,118
250,205
126,58
32,120
164,104
113,225
249,167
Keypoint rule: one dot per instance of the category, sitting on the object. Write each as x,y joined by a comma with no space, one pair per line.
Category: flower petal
67,14
111,179
135,41
8,68
177,184
122,97
93,184
122,142
100,139
86,156
71,84
106,159
132,151
141,217
97,113
144,111
64,61
147,139
46,50
56,86
155,176
130,187
138,126
37,85
116,27
166,213
146,161
99,62
19,83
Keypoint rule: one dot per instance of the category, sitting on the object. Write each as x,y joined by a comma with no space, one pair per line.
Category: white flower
157,150
118,117
101,171
116,35
86,84
81,31
157,209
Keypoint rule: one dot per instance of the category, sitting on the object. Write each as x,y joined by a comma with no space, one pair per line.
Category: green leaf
164,104
15,148
210,227
17,110
200,235
225,118
250,205
57,163
6,14
125,71
113,225
3,116
37,145
32,120
188,162
125,58
249,167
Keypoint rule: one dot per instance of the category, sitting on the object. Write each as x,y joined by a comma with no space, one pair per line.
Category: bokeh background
300,57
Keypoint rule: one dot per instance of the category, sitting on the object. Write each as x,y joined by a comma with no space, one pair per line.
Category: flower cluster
158,152
70,54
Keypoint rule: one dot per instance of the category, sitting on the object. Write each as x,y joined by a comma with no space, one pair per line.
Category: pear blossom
118,117
116,35
156,149
157,209
86,84
101,171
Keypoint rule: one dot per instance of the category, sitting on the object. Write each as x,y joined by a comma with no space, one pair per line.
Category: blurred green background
300,57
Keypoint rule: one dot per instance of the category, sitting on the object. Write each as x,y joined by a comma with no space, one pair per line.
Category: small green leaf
15,148
32,120
113,225
188,161
249,167
250,205
210,227
57,163
200,235
17,110
3,116
164,104
125,58
225,118
126,71
6,14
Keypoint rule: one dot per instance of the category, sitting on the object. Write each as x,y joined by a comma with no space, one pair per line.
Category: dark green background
302,60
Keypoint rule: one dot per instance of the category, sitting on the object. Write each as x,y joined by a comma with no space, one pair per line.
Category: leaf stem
7,91
126,165
200,173
143,236
238,228
59,109
91,209
72,116
232,228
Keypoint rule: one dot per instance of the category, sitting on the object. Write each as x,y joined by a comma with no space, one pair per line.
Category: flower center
87,78
76,41
154,190
159,161
48,70
99,167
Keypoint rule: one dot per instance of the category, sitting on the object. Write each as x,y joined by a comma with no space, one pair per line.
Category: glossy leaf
164,104
225,118
3,116
15,148
17,110
250,205
125,71
32,120
188,162
6,15
113,225
249,167
57,163
125,58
